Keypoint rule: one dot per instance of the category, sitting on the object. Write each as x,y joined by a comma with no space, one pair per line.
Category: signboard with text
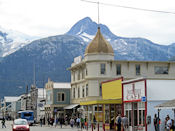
134,91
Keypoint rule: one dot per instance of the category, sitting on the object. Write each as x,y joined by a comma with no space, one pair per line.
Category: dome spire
99,45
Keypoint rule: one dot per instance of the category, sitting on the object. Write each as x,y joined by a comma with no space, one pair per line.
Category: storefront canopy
71,106
118,101
166,105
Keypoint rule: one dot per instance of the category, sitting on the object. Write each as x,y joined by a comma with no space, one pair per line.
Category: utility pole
26,96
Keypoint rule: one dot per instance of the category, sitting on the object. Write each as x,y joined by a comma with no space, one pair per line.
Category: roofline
132,61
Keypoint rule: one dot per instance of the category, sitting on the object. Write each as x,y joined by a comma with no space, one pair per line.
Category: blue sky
54,17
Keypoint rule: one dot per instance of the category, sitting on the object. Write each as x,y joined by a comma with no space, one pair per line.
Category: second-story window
78,92
100,90
161,69
82,73
73,75
118,69
86,71
83,91
60,97
138,69
78,74
73,92
102,68
86,89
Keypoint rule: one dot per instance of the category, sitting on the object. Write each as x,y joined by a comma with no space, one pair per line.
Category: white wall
160,90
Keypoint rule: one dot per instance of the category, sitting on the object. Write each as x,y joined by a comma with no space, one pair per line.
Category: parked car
20,125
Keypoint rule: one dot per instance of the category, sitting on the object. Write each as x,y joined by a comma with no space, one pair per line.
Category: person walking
156,122
118,122
94,122
169,124
82,122
61,121
78,122
3,123
125,123
72,122
41,121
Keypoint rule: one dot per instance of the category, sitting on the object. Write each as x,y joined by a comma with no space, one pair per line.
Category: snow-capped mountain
53,55
11,40
86,29
124,48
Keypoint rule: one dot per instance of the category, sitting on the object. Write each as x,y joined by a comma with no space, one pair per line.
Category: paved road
44,128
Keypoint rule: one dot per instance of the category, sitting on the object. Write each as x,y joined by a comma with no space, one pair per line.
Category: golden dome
99,45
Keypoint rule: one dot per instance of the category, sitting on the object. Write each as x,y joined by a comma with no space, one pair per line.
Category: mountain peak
86,29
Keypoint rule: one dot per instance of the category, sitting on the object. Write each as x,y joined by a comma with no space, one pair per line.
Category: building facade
57,97
98,65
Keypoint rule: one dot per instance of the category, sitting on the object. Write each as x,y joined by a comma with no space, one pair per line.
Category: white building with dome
98,65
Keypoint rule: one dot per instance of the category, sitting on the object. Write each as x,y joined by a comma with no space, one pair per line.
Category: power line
129,7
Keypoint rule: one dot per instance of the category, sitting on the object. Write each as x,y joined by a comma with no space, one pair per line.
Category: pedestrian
86,123
125,123
41,121
118,122
48,121
78,122
61,121
66,120
172,126
72,122
3,123
94,122
168,124
82,122
156,122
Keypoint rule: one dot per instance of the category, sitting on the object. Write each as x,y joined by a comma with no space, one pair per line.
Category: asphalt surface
43,128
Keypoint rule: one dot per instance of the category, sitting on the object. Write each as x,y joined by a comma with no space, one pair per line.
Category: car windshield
20,122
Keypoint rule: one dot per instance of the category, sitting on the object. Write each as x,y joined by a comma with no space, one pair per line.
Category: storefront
105,111
102,113
135,103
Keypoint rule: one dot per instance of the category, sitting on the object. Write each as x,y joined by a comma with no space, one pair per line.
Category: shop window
161,69
140,117
130,122
118,69
60,97
102,69
137,69
143,117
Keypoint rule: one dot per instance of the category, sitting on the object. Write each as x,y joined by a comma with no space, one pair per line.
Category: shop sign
134,91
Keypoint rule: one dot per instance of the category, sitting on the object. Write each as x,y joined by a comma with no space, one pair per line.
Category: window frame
161,70
61,98
120,71
136,69
87,92
102,72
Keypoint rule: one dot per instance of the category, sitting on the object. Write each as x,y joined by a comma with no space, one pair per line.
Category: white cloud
53,17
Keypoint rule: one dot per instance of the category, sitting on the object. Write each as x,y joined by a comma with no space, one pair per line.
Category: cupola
99,45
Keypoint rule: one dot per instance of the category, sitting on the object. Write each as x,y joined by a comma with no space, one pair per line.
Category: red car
20,125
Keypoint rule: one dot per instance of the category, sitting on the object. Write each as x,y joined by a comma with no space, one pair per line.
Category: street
38,128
